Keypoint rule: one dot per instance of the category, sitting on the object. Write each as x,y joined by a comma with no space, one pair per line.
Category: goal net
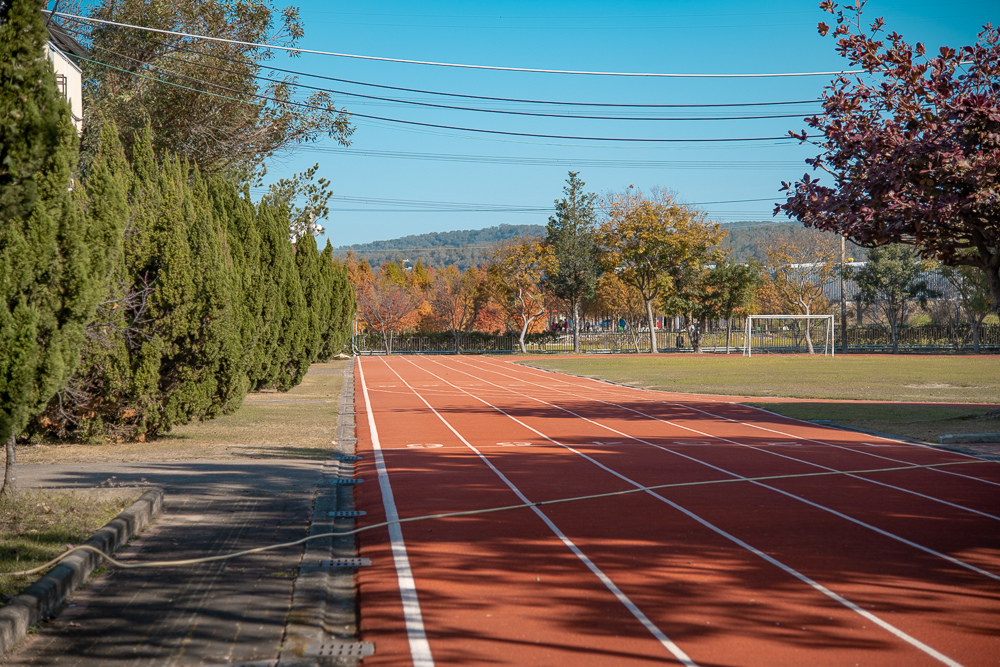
788,334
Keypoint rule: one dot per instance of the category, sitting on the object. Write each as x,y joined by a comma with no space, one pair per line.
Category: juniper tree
53,260
285,319
314,291
167,347
342,306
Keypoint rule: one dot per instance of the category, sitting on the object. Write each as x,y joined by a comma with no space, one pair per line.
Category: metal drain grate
350,458
341,650
343,480
345,562
343,514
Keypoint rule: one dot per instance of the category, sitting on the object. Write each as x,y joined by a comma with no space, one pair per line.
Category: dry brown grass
300,423
39,524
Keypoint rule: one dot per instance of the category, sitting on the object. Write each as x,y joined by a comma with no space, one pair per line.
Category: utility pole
843,298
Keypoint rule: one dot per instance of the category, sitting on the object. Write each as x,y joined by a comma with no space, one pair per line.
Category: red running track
769,542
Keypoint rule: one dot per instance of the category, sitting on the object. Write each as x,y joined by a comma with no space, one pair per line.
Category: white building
63,49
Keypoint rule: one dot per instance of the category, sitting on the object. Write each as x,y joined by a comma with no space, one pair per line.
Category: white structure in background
62,51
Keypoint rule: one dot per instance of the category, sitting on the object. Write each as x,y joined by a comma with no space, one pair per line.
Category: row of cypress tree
209,299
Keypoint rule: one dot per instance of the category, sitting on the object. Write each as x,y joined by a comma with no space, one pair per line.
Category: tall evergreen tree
571,235
53,261
166,348
315,288
285,321
343,306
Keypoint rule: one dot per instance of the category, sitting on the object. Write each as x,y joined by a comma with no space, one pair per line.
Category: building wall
70,82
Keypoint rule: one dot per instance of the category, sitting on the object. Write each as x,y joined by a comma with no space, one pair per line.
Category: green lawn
912,379
921,381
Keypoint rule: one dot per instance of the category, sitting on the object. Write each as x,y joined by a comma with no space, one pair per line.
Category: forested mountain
463,248
469,247
749,240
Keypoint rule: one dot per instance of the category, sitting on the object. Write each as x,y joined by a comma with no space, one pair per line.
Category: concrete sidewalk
273,608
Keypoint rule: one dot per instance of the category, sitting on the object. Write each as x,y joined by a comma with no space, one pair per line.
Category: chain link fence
928,338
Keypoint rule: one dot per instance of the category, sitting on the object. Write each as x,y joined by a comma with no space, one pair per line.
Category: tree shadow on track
696,585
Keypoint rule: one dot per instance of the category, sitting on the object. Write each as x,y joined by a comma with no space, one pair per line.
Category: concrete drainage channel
322,624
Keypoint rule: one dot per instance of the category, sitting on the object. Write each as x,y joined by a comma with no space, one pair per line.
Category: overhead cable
393,100
457,65
548,161
464,206
432,125
493,98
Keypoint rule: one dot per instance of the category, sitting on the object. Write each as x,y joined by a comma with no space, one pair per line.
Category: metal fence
924,338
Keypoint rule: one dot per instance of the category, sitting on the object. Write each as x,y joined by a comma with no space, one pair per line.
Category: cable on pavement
448,515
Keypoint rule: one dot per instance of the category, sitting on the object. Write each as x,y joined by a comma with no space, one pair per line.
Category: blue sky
401,184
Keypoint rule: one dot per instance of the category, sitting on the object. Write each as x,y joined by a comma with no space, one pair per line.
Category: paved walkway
262,610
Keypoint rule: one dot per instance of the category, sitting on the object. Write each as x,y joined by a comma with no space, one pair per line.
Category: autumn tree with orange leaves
655,244
515,276
456,299
385,306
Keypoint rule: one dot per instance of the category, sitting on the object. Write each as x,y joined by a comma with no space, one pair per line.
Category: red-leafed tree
910,147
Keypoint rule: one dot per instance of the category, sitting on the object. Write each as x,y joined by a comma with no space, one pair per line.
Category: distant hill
463,248
471,247
748,240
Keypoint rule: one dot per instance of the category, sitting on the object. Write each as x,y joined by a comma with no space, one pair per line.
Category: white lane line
850,449
913,641
420,648
667,643
644,396
765,451
830,510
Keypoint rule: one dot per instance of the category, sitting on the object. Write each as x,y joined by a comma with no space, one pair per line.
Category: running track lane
896,567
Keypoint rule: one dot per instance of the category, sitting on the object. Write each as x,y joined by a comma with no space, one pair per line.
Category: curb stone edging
968,438
324,603
43,596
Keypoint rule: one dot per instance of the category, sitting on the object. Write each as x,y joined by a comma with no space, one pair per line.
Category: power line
493,98
433,125
440,106
465,207
457,65
557,162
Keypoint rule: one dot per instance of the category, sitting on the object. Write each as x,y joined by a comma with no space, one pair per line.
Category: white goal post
788,334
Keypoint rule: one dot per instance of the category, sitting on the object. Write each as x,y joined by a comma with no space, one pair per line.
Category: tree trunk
652,327
576,326
993,282
9,488
809,340
729,332
524,333
694,332
895,337
975,335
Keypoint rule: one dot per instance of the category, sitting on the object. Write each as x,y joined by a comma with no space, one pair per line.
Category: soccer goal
788,334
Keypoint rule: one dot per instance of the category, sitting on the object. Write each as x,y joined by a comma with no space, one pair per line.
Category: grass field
928,383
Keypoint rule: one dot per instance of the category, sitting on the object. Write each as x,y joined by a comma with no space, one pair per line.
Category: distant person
680,341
